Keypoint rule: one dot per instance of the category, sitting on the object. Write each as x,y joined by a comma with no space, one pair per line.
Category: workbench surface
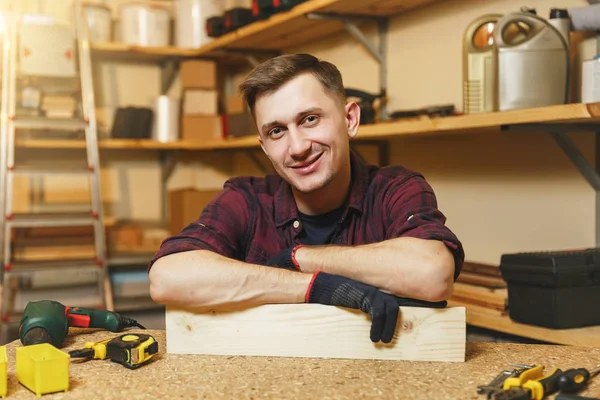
194,376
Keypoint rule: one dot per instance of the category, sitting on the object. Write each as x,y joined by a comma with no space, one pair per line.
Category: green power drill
48,321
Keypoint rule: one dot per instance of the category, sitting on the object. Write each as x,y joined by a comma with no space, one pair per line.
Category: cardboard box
198,74
235,104
200,102
200,128
192,185
186,206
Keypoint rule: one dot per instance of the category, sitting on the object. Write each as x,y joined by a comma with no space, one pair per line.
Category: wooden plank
500,322
318,331
493,297
564,113
481,269
481,280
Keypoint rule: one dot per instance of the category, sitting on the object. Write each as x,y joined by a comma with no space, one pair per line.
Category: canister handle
474,27
537,24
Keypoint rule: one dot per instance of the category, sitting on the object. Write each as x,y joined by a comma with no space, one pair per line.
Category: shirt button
296,224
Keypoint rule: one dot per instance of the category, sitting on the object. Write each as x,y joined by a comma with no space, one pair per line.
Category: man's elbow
441,282
160,285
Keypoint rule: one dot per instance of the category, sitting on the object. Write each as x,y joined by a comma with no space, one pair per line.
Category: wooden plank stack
481,285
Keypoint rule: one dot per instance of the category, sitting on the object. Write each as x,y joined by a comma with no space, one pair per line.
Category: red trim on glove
294,257
310,285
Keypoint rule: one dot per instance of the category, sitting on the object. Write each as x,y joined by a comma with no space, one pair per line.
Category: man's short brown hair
275,72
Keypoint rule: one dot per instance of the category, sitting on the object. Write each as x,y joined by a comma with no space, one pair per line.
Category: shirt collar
285,204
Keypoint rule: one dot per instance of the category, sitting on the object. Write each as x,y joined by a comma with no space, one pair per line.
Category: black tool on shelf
215,26
366,102
236,18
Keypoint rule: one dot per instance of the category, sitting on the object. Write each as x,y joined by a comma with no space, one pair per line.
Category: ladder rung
36,220
43,170
60,266
49,123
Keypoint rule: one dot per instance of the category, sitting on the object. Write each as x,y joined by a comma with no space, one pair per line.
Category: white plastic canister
144,24
99,21
190,21
590,80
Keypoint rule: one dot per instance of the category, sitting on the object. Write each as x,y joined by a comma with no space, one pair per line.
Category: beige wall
501,192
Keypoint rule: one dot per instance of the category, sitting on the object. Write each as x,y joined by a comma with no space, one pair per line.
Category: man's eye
311,119
275,131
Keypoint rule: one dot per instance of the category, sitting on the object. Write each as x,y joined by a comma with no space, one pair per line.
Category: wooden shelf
125,52
573,114
499,321
280,31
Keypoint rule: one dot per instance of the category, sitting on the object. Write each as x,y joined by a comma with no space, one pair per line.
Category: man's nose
299,144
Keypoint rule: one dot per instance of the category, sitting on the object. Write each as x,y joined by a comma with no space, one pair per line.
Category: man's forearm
407,267
199,279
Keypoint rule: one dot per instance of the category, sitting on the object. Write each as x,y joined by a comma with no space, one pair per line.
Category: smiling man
327,228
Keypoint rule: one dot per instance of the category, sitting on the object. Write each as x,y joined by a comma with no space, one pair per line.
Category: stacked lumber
481,285
49,244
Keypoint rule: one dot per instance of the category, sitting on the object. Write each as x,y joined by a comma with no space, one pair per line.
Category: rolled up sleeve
412,211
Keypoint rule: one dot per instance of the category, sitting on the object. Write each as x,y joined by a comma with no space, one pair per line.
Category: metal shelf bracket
379,53
591,173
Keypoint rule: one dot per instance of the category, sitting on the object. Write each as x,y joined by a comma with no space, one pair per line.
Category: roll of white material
144,25
190,21
585,18
166,119
590,81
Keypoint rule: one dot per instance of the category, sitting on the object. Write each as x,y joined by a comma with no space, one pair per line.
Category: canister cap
559,13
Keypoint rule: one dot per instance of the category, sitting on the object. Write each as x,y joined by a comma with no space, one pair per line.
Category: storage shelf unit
560,116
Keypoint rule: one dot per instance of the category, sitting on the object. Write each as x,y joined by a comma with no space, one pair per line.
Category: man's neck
326,199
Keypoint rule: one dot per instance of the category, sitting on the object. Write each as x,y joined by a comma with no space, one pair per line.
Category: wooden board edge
423,334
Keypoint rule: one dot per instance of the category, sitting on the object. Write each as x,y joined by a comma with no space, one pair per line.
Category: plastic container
99,22
533,63
590,80
144,25
190,21
557,290
42,368
3,372
479,61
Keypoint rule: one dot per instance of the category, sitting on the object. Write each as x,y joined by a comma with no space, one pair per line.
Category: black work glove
408,302
285,259
337,290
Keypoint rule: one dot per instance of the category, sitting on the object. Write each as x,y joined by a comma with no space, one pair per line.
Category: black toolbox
553,289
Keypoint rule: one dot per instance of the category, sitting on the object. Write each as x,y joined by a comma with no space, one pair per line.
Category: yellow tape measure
132,350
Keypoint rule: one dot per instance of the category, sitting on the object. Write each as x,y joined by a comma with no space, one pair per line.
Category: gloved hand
337,290
285,259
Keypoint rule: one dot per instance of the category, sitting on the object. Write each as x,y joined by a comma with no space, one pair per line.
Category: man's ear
352,111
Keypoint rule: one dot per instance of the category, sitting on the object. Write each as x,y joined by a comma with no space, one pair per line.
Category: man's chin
306,186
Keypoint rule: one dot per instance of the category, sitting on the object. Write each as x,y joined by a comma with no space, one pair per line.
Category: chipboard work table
207,377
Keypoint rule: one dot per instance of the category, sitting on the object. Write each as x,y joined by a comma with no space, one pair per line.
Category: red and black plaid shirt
252,219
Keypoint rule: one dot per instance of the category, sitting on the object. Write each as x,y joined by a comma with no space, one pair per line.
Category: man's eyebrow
311,110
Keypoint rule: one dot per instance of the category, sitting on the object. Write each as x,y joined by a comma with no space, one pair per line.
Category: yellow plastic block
42,368
3,372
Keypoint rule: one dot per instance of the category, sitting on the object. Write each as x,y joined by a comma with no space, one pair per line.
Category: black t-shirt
318,229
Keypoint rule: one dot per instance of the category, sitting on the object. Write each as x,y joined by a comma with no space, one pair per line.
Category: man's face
304,131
